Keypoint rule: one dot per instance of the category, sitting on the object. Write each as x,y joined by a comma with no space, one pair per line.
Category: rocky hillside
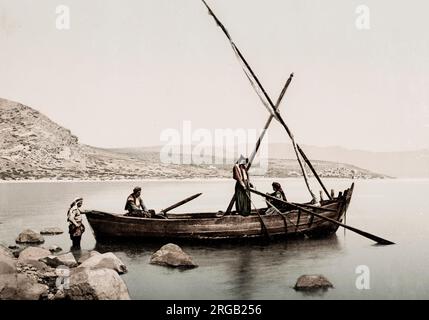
33,147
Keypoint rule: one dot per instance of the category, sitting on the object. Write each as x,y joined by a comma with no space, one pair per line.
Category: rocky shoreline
31,272
37,274
35,148
190,172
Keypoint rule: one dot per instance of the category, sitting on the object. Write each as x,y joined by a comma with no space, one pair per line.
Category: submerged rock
96,284
106,260
33,254
312,282
51,231
29,236
87,255
55,249
172,255
66,259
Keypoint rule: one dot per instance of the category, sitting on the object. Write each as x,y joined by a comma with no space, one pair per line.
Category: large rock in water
87,255
33,254
98,284
66,259
312,282
106,260
21,287
29,236
172,255
51,231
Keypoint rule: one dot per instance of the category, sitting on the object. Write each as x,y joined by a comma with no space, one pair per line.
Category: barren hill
33,147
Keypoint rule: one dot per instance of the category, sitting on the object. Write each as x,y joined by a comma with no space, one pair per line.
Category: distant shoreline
26,181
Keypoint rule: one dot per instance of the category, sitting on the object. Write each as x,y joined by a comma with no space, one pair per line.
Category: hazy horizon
123,74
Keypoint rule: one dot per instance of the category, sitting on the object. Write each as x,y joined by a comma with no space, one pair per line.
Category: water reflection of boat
214,226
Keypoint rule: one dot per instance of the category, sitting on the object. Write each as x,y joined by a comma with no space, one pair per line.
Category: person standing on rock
74,218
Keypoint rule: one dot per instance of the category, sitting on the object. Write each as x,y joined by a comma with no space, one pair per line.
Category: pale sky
127,70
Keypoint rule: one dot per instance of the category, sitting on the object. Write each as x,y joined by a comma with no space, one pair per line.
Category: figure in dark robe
242,192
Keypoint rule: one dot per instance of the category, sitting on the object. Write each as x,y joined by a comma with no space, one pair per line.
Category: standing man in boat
76,227
279,194
135,205
242,192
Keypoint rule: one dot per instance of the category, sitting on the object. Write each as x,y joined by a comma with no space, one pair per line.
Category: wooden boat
217,226
291,219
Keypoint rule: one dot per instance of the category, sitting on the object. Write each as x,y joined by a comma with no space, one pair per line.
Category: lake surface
394,209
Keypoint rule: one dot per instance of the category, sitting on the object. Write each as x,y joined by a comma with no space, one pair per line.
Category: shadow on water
297,246
239,270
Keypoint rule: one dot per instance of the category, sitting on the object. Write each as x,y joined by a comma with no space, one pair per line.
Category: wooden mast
266,100
258,143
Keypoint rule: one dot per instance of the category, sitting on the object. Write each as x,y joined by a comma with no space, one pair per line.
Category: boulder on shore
104,261
51,231
29,236
21,287
312,282
172,255
33,254
96,284
66,259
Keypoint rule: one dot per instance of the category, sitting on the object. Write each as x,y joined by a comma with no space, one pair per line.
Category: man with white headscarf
74,218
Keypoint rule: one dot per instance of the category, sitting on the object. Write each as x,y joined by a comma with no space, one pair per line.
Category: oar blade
365,234
178,204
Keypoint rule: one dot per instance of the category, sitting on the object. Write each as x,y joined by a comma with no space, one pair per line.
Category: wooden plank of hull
106,225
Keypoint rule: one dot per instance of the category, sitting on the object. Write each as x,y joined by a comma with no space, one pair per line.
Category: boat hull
215,226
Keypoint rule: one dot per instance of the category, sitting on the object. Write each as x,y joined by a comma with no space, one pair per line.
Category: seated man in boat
242,192
135,205
279,194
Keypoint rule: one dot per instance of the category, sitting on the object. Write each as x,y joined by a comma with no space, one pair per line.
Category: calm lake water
394,209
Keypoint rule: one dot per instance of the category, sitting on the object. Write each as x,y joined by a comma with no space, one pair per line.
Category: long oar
362,233
178,204
261,137
263,226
